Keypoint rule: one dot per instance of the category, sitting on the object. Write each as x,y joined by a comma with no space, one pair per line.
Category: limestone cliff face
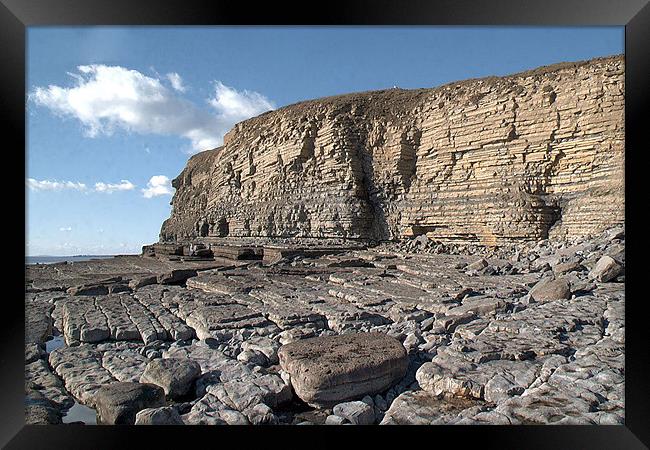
489,160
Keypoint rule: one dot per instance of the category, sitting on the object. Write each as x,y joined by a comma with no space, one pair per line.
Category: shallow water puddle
54,343
80,413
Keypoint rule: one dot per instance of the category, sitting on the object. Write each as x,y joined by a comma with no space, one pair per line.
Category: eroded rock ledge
489,161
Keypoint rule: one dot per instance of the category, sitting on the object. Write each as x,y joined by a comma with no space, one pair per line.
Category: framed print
409,218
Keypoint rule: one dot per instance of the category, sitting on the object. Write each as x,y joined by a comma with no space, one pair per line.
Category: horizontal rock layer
489,160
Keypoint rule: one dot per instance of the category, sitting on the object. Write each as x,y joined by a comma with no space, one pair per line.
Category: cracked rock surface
530,333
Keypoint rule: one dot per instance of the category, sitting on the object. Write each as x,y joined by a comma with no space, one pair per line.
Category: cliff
491,160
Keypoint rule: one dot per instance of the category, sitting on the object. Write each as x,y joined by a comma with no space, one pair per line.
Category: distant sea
56,259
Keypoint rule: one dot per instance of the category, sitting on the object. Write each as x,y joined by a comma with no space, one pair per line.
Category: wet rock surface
530,333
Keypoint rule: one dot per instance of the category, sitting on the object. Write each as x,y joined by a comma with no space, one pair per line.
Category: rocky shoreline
409,332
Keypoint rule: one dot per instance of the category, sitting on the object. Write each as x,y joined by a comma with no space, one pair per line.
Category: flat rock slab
483,348
80,367
216,321
62,276
175,276
118,403
40,379
38,321
423,408
329,370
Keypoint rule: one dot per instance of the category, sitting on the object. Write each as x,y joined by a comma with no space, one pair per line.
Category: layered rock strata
489,160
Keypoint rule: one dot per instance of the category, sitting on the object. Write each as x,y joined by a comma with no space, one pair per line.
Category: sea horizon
52,259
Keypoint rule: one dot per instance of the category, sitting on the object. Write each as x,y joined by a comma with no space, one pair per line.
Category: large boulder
118,403
548,290
329,370
175,376
606,269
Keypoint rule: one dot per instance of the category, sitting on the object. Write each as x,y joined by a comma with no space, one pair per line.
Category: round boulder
548,290
606,269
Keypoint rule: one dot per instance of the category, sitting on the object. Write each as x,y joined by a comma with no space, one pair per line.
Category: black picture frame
16,15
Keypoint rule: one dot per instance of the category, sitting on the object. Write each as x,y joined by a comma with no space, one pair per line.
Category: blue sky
113,113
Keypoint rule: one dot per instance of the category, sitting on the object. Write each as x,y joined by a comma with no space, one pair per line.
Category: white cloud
106,98
124,185
176,81
229,102
54,185
158,185
65,229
